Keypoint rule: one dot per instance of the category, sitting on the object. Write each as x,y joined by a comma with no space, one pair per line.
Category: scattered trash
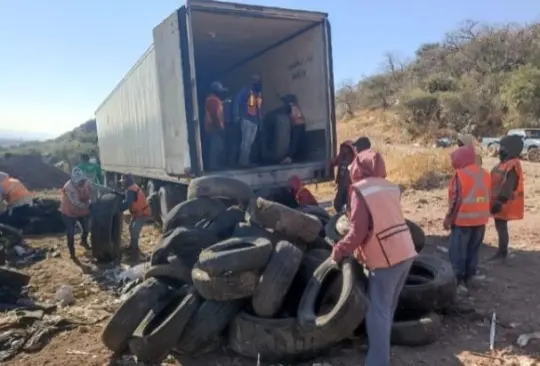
64,295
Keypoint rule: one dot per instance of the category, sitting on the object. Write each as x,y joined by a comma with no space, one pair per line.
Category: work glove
496,208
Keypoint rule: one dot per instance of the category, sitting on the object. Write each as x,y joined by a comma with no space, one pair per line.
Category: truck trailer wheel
169,197
106,229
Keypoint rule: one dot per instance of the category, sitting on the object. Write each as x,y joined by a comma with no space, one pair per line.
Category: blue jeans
465,244
384,287
135,227
249,133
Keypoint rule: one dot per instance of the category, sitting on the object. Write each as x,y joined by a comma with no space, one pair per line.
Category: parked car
531,143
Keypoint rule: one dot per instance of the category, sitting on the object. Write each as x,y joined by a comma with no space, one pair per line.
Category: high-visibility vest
208,122
140,206
514,208
14,191
254,104
84,193
474,186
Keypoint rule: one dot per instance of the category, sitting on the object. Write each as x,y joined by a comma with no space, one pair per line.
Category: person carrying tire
303,196
18,199
75,207
135,201
248,113
298,128
214,125
468,213
380,240
507,191
469,140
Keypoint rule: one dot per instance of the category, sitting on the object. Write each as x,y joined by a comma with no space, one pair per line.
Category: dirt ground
512,290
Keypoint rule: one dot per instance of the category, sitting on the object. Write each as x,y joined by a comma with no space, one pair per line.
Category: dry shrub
418,170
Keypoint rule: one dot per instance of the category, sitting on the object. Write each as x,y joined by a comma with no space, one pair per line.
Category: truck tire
223,225
351,299
13,279
207,324
276,279
437,293
185,243
174,270
246,230
159,331
227,287
415,330
106,228
190,212
151,188
318,212
281,137
168,199
235,255
418,235
127,317
220,187
155,207
533,154
287,221
331,230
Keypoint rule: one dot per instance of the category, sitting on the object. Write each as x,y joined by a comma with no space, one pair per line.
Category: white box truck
149,125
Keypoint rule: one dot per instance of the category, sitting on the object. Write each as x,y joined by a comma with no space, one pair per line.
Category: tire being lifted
106,228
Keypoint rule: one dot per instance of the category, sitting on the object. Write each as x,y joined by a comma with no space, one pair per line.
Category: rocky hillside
66,147
480,78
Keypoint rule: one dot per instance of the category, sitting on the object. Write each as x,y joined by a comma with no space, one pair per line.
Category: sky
61,58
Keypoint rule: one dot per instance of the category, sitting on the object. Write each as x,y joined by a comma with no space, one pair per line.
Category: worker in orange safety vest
379,238
468,213
507,191
135,201
75,207
18,199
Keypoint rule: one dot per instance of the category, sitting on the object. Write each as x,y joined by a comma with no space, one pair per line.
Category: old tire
155,207
437,293
159,331
220,187
223,225
287,221
418,235
185,243
416,330
12,278
227,287
207,324
339,319
190,212
106,228
331,228
318,212
174,270
276,279
533,154
129,315
281,131
236,255
246,230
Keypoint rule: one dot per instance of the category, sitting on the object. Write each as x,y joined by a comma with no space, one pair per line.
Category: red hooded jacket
367,163
303,196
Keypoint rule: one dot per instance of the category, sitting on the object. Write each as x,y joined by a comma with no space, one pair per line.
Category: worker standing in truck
93,173
18,200
248,112
135,201
214,125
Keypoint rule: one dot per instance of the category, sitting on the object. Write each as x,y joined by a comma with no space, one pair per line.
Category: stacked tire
235,268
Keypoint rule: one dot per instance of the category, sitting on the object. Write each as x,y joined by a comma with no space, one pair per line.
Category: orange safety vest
140,206
66,207
208,122
254,103
474,186
14,191
390,241
514,208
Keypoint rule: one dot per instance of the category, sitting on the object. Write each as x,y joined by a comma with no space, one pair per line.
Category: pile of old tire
236,269
430,288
